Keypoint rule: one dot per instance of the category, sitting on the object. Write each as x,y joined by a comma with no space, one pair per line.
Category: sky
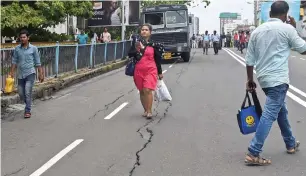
209,16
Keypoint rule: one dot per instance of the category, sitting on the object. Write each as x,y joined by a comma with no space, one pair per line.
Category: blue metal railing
59,59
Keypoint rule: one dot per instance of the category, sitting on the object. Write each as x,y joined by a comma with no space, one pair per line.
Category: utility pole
123,19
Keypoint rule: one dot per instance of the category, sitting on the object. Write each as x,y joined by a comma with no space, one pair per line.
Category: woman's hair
147,25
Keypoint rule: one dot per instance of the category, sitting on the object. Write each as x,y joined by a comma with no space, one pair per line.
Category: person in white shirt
216,41
106,36
193,39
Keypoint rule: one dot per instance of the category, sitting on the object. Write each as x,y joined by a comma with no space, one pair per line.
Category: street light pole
123,19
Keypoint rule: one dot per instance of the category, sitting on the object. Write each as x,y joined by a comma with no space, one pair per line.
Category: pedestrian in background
242,41
26,58
206,40
236,37
194,42
216,40
268,51
82,38
148,67
106,36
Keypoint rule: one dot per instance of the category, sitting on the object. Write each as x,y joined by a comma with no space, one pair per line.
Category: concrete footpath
46,89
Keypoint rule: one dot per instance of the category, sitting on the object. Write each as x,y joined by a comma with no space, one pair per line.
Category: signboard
294,10
226,20
108,13
163,8
234,16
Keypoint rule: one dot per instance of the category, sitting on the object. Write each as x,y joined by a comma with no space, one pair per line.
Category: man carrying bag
269,47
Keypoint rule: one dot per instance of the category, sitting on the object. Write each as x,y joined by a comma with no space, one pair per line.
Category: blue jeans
275,109
25,87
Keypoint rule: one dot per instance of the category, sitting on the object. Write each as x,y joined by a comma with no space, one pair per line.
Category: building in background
196,25
69,27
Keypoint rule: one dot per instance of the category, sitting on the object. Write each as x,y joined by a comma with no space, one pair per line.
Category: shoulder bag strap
247,97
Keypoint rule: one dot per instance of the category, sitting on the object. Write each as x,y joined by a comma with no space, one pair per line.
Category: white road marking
164,71
302,59
293,56
170,66
56,158
64,96
112,114
289,94
290,86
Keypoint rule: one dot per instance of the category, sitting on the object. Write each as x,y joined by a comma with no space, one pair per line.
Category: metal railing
59,59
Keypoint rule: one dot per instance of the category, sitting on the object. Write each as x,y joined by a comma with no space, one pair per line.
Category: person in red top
242,41
236,40
148,67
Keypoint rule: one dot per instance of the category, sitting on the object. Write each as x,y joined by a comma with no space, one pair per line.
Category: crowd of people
83,37
205,41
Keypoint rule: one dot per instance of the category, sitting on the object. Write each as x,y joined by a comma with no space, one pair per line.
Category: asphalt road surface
95,128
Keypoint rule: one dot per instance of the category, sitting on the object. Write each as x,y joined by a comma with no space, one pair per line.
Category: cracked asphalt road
196,134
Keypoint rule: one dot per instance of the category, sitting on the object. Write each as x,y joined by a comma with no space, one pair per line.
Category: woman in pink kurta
148,67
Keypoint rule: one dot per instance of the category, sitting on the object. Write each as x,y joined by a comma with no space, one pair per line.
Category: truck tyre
186,56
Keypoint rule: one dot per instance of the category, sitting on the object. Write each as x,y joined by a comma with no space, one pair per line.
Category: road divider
112,114
56,158
241,60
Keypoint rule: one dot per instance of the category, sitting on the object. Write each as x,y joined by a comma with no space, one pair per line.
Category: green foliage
43,35
18,15
40,14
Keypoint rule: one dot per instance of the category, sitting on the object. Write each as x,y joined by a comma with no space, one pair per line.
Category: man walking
269,49
215,39
193,39
206,40
26,58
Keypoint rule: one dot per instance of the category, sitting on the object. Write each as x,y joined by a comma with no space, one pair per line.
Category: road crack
106,107
150,133
15,172
137,163
165,113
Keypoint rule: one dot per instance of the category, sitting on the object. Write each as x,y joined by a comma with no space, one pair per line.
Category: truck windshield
155,19
176,18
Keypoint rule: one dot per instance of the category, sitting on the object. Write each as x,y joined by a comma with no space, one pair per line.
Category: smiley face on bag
250,120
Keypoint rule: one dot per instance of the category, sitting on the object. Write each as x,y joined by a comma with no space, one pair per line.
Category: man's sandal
251,160
295,148
27,115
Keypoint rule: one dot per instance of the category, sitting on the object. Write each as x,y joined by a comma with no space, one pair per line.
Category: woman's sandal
144,114
251,160
295,148
149,116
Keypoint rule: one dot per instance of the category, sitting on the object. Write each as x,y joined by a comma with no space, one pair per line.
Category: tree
37,15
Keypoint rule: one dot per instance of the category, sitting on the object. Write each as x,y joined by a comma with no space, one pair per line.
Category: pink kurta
145,75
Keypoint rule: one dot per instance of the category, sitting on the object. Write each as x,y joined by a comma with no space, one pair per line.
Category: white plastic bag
162,93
